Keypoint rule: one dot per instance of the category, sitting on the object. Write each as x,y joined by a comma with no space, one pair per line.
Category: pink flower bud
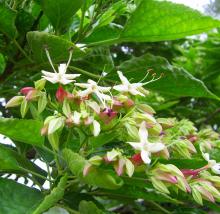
26,90
44,130
192,138
128,103
117,105
61,94
167,177
119,167
32,94
86,169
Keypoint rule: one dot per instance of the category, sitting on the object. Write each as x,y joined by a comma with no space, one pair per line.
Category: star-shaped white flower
60,76
92,87
215,167
127,87
144,146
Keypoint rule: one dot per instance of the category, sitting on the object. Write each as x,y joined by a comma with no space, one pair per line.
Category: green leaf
7,21
26,131
175,82
88,207
17,198
60,12
12,162
162,20
58,47
56,194
96,176
2,64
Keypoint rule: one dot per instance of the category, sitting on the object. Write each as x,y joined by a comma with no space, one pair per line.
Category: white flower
145,146
60,76
132,88
76,117
215,167
92,87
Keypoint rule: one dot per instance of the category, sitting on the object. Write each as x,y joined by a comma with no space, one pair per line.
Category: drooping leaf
26,131
96,176
60,12
58,47
14,197
162,20
7,21
175,82
88,207
56,194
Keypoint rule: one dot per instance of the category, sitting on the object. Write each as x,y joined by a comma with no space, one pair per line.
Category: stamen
49,59
70,57
148,71
154,79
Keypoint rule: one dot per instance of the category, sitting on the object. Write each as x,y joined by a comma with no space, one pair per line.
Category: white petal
102,96
91,82
65,81
216,168
136,145
143,133
137,85
96,128
123,79
83,85
71,76
48,74
121,88
155,147
145,157
134,91
51,79
62,68
104,89
85,92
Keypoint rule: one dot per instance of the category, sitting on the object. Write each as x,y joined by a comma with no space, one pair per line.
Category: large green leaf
7,21
60,12
96,176
162,20
26,131
175,82
58,47
17,198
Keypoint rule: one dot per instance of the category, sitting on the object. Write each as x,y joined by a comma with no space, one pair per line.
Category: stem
35,173
160,207
22,51
104,42
81,21
49,175
85,72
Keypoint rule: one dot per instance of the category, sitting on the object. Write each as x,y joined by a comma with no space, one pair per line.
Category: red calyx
107,115
61,94
136,159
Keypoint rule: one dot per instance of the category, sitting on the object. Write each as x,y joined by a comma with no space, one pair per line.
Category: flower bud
96,160
61,94
31,95
145,109
86,169
26,90
128,103
119,166
40,84
14,101
44,130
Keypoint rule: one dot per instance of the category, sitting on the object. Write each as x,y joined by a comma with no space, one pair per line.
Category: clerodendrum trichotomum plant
107,142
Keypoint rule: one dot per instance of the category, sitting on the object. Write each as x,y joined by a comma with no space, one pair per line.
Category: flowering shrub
102,119
105,137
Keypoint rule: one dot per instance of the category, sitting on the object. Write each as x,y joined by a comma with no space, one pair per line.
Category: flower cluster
116,116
